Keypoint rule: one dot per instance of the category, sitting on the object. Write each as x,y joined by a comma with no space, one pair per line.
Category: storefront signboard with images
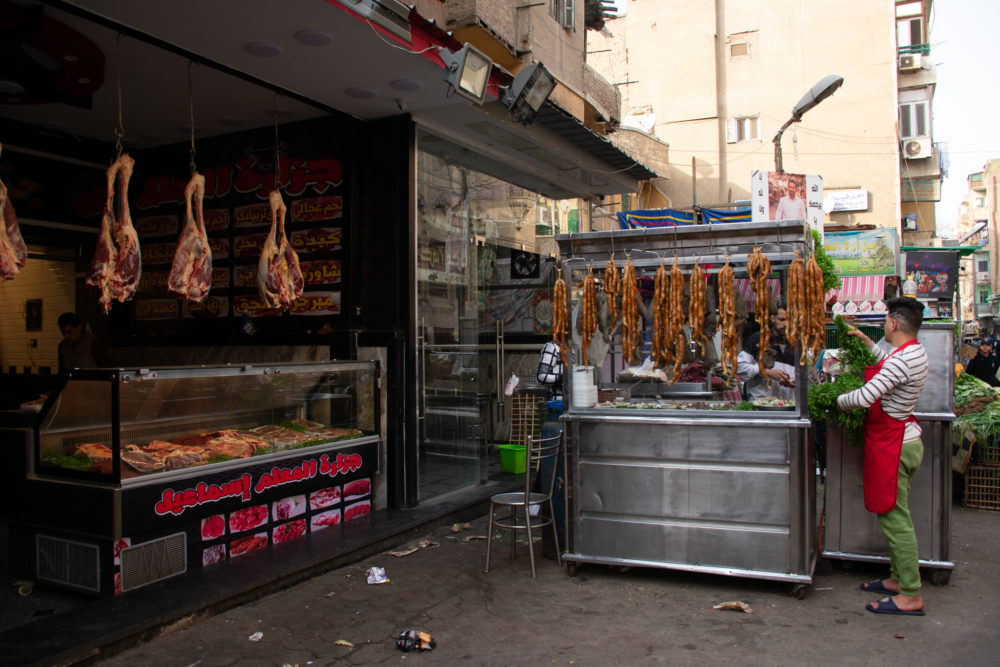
781,196
934,271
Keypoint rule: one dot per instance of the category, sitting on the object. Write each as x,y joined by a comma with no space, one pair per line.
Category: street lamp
822,90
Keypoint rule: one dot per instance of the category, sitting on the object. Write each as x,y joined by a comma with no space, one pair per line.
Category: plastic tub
512,458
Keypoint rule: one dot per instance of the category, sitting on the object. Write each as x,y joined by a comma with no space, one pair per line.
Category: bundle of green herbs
854,356
830,278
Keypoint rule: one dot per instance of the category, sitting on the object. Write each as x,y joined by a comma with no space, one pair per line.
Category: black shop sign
181,501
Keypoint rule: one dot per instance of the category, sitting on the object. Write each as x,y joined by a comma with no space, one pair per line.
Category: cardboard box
969,351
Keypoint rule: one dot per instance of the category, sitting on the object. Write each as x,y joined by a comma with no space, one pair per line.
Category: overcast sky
967,97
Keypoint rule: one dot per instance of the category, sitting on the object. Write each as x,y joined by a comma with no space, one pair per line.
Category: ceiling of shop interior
155,92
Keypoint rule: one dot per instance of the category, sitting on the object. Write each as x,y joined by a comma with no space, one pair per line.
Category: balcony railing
924,49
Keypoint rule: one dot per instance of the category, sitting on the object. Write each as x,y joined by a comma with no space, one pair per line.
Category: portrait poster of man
782,196
935,272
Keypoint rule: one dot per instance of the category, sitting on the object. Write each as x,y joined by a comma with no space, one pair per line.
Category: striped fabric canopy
661,217
861,288
716,215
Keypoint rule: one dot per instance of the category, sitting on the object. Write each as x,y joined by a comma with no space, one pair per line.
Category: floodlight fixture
528,92
822,90
467,71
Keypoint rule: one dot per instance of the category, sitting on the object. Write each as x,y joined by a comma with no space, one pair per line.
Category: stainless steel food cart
852,533
705,490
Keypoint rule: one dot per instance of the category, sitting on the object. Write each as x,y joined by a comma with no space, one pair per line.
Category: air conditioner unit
392,15
909,62
917,149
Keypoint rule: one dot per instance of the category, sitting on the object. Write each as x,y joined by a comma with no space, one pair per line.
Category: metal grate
68,562
153,561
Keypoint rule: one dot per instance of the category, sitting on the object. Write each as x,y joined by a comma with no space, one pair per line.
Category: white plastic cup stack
584,389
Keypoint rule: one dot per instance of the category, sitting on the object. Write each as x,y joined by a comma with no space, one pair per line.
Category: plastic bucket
512,458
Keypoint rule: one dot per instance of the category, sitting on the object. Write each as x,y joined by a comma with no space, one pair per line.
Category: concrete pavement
602,616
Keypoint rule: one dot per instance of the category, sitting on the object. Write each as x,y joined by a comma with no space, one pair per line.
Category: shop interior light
526,95
467,71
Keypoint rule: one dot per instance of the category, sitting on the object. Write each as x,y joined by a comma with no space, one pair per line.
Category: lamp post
822,90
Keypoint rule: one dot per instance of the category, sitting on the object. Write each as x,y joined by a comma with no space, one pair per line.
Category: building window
739,49
909,32
984,296
563,11
983,266
914,119
744,128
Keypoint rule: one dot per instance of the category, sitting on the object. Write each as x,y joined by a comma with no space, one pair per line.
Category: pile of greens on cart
854,356
977,406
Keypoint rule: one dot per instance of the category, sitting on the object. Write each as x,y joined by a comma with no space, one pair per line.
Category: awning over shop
860,295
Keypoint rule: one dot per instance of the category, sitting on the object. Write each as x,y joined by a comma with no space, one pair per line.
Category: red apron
883,445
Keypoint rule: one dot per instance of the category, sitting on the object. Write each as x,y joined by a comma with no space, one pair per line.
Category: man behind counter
79,347
779,360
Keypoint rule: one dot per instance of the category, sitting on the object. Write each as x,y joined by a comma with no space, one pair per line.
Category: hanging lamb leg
191,273
105,254
270,273
128,265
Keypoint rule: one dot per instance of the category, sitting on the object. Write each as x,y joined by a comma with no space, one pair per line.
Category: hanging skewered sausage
816,307
798,320
560,318
727,319
612,288
588,312
675,320
696,307
758,271
661,285
630,312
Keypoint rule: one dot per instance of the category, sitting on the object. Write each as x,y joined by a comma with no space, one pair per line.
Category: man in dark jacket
985,364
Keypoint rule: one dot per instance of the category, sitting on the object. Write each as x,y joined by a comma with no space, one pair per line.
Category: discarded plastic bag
413,549
414,640
377,575
735,605
508,389
256,637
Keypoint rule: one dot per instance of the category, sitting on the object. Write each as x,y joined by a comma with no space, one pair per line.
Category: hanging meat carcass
13,253
191,273
279,277
117,264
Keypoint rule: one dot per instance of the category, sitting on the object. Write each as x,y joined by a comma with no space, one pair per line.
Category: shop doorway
484,278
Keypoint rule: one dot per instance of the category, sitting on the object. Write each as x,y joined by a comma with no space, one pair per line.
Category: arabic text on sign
321,272
317,239
317,208
297,174
157,225
216,219
160,190
156,309
253,215
213,306
249,245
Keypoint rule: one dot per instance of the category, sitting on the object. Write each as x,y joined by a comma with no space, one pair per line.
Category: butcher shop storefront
306,301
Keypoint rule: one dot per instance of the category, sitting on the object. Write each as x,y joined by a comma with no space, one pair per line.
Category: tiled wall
53,283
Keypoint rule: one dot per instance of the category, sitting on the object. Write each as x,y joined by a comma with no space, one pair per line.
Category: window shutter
920,111
905,126
730,130
569,13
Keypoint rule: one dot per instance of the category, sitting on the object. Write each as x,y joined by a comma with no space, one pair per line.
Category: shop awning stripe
750,297
861,288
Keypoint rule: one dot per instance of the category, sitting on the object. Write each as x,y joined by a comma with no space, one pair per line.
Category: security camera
401,103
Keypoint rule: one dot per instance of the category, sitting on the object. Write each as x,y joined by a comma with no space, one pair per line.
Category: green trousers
898,527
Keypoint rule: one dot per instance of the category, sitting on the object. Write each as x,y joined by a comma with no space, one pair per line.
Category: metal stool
523,503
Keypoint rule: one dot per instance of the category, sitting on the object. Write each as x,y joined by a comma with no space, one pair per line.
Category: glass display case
129,425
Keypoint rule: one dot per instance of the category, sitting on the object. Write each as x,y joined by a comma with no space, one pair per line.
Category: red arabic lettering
343,464
159,190
296,174
176,502
280,476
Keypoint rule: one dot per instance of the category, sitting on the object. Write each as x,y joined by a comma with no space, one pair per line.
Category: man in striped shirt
893,450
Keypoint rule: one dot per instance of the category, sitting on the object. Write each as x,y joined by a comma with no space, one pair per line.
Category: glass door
484,280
